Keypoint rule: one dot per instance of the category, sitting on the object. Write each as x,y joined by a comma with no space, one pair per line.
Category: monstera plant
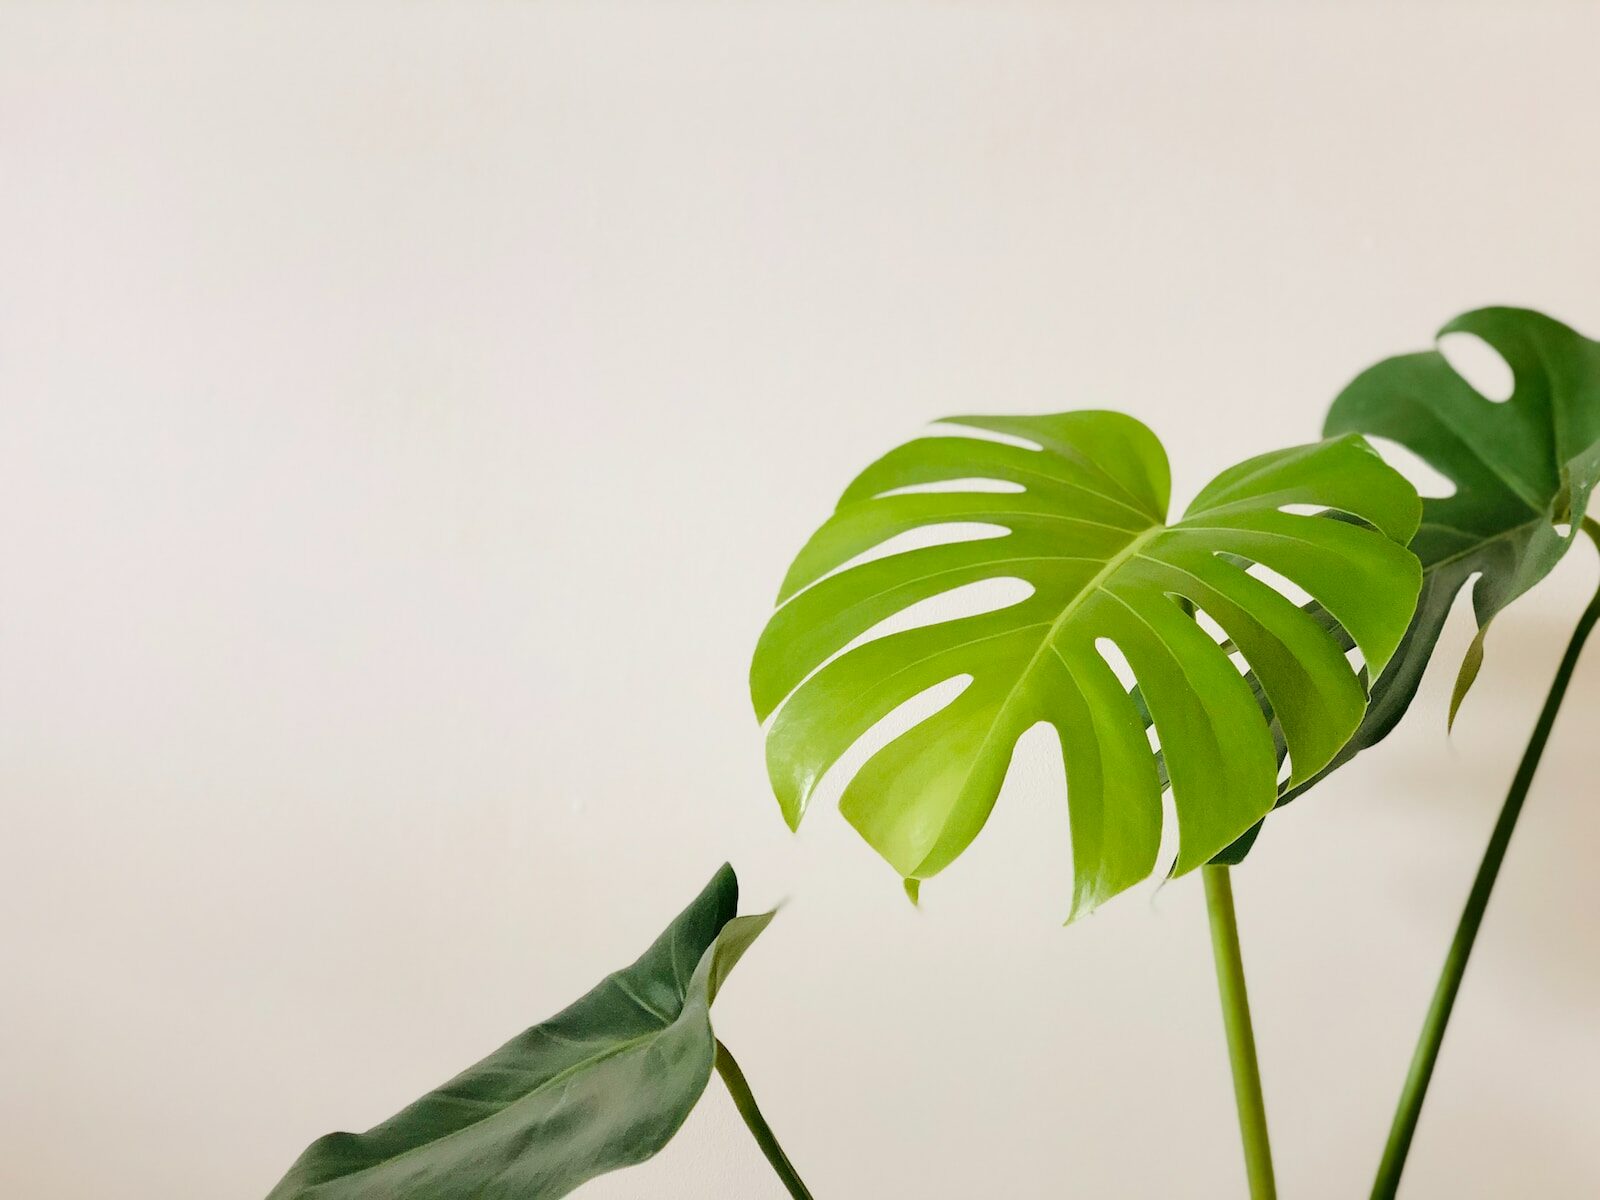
1083,522
1523,469
1235,655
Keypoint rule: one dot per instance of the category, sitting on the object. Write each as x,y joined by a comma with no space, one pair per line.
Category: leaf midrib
1513,485
559,1077
1096,583
1429,568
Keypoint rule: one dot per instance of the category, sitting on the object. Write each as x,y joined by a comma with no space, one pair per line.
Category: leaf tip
913,891
1465,678
1086,897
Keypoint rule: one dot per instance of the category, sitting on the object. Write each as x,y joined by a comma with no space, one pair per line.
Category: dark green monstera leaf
1523,470
1085,528
602,1085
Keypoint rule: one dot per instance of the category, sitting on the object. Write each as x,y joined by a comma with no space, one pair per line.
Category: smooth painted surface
407,415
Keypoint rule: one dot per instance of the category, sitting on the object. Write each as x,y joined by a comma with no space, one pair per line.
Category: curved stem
1455,963
1241,1036
728,1068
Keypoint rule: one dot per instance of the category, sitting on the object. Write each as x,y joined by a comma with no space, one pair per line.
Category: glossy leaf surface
1523,471
1084,526
602,1085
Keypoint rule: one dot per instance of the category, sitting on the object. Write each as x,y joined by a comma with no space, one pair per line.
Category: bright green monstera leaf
1085,528
602,1085
1523,471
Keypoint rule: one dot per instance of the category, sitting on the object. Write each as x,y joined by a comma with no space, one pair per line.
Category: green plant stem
1241,1036
1455,963
728,1068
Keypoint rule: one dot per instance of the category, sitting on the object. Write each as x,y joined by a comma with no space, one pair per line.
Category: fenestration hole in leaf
1207,622
946,533
953,429
969,600
1357,660
1111,654
1167,853
1117,661
907,715
1285,587
1219,635
957,485
1480,365
1430,482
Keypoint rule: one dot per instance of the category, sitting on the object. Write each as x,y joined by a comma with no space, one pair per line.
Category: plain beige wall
406,415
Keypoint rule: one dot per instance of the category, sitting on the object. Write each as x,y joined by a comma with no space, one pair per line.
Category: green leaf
1520,468
1087,532
602,1085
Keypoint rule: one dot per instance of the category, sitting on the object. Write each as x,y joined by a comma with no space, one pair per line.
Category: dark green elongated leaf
1087,532
1521,468
602,1085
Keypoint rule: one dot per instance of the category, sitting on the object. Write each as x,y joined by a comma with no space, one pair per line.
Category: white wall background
406,415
